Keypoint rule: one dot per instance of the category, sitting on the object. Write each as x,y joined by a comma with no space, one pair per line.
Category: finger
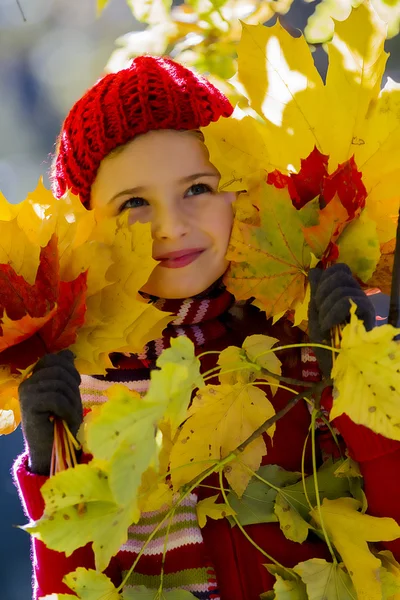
62,408
314,277
58,360
336,309
32,394
56,373
333,282
336,268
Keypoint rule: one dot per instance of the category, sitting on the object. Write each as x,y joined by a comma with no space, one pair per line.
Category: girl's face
165,178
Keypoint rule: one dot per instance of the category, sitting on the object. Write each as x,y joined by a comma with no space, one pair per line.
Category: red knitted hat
152,93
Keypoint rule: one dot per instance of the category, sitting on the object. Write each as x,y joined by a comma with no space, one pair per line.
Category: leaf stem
315,475
242,529
267,424
300,345
184,495
257,476
303,472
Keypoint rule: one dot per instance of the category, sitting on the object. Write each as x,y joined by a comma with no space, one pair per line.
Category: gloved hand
52,390
331,292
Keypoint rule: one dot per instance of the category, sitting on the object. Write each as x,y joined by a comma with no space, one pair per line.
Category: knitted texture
152,93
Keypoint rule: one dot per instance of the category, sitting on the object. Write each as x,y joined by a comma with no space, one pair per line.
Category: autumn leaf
240,149
140,592
358,43
288,585
219,420
235,366
294,527
79,508
273,68
325,580
91,585
209,508
122,431
383,274
270,259
39,318
174,383
257,502
258,350
118,318
366,377
350,531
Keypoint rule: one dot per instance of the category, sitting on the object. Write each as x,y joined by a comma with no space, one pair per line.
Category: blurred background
46,63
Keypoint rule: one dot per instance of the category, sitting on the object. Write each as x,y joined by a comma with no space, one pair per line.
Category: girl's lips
180,260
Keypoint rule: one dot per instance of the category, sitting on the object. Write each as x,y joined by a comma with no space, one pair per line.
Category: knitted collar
199,318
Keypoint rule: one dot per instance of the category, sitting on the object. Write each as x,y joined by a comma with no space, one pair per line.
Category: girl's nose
170,223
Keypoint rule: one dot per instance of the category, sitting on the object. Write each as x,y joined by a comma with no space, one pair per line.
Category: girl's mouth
180,258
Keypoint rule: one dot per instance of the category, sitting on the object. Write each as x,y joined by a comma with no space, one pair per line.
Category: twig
267,424
289,380
21,11
394,310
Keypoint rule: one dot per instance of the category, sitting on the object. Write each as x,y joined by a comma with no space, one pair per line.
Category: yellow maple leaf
356,65
350,532
270,259
277,76
220,419
118,318
274,67
209,508
366,377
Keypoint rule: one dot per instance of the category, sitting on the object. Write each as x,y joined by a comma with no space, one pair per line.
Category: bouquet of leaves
316,166
68,281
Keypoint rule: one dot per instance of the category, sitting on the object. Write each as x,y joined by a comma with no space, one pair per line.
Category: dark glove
52,390
331,292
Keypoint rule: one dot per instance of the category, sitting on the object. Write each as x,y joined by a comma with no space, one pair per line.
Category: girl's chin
173,285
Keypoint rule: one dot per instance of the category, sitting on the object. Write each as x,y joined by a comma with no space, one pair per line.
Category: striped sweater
216,562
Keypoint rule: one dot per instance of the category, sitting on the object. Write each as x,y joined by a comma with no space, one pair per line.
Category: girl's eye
198,188
133,203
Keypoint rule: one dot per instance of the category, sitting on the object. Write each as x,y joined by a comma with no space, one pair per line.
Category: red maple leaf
313,181
347,183
307,183
40,318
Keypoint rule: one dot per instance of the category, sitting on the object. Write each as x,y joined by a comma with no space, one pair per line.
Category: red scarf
200,318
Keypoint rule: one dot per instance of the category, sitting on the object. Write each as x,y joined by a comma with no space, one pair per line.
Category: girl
131,143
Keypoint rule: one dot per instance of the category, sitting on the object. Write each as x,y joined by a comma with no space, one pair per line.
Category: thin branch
289,380
318,387
21,11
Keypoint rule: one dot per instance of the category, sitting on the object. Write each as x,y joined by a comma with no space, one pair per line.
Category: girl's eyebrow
140,189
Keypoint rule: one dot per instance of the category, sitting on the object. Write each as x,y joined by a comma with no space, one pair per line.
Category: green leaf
359,247
257,503
80,509
103,523
142,593
124,418
288,585
330,487
325,581
173,387
91,585
127,467
239,369
294,527
181,353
